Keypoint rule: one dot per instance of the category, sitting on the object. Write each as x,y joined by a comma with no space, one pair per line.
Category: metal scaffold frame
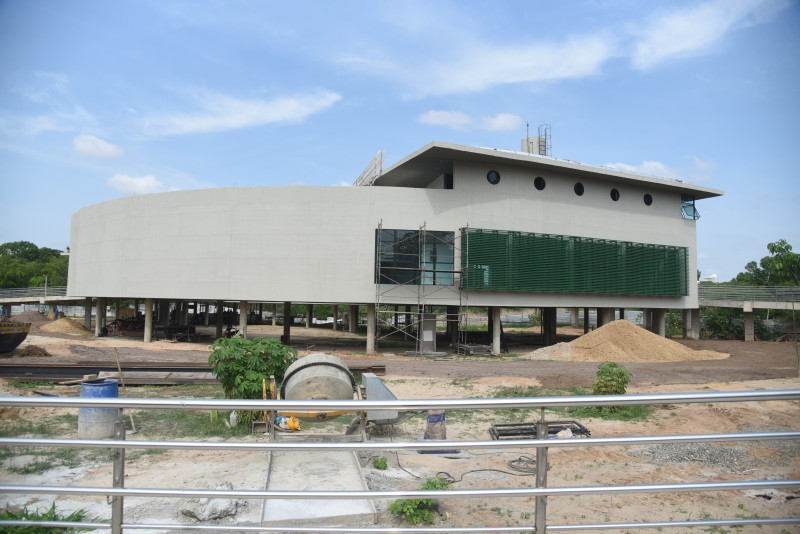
419,283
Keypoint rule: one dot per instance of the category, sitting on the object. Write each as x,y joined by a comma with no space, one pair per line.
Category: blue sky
100,100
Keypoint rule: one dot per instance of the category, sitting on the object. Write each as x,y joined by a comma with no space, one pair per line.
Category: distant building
448,225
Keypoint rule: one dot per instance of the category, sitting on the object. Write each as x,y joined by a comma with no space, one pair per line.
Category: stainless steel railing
748,293
29,292
541,493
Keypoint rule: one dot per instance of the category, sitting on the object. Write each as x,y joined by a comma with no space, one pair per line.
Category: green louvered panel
497,260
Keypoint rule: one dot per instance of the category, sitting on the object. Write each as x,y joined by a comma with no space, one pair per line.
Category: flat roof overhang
421,167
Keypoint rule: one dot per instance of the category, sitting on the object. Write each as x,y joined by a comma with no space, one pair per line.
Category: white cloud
131,185
219,112
502,122
697,28
458,120
652,168
94,147
62,121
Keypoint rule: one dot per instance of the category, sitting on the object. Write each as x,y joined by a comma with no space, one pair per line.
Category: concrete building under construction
449,225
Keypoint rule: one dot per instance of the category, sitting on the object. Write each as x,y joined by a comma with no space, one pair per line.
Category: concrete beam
243,318
370,328
148,320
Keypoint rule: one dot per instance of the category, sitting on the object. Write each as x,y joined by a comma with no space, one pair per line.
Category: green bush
379,463
37,515
418,510
611,380
241,364
728,323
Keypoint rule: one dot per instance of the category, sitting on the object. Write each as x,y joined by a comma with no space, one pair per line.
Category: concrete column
275,314
407,325
647,319
353,325
586,320
452,325
87,313
116,311
135,307
205,313
494,313
98,320
163,314
574,318
309,314
549,325
7,309
335,317
749,322
686,323
660,322
243,318
370,328
490,320
622,314
601,316
148,320
287,323
695,324
184,313
220,319
260,312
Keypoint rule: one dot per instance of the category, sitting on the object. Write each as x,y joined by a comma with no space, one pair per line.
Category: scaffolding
415,276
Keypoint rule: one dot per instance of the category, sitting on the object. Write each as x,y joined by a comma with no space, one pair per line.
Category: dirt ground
751,366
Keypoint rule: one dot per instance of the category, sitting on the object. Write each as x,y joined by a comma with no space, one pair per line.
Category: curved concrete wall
317,244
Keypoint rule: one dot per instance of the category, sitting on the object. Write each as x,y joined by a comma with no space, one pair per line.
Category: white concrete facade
317,244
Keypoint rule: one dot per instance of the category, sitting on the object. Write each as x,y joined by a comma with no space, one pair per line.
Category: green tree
23,264
781,267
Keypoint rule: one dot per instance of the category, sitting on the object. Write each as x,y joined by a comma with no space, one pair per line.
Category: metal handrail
27,292
541,492
748,293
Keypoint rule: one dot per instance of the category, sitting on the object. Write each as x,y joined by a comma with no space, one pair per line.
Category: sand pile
65,326
622,341
29,316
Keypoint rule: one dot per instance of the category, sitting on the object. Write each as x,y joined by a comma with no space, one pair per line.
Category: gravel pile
65,326
622,341
31,350
734,457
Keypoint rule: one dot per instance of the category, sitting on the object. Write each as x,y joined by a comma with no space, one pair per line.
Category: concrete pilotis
353,323
116,310
586,320
659,322
98,319
7,309
686,323
407,328
287,323
622,314
549,324
163,313
647,319
220,318
87,313
148,320
494,312
335,317
136,307
695,331
275,314
243,318
205,314
370,328
574,317
749,326
309,313
452,325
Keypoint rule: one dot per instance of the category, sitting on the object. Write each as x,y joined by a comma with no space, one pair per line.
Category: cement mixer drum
318,377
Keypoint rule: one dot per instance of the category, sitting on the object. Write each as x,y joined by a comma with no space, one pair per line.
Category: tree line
23,264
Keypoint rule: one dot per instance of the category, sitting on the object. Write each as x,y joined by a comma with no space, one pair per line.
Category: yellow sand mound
622,341
65,326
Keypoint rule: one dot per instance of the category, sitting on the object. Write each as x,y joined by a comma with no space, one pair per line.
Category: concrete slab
316,471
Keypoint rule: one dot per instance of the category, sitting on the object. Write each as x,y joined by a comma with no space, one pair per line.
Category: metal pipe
425,530
118,479
404,494
541,477
405,404
398,445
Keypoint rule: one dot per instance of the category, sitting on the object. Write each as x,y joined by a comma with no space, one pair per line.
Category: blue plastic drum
98,423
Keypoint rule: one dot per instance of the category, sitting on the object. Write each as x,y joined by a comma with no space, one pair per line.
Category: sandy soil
751,366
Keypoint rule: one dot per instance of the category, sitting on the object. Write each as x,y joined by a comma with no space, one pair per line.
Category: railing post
119,479
541,477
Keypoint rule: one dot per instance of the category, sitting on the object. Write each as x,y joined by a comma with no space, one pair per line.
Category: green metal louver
497,260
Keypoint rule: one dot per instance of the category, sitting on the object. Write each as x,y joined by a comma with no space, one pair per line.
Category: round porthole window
493,177
539,183
578,189
648,199
614,194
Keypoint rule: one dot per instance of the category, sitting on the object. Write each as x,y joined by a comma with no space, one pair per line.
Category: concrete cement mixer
318,377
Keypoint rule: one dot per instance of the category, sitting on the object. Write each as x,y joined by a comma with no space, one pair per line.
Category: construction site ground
751,366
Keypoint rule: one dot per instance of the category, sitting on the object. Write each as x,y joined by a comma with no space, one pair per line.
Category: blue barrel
98,423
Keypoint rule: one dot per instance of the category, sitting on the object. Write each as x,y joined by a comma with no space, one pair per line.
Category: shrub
611,380
418,510
379,463
241,364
